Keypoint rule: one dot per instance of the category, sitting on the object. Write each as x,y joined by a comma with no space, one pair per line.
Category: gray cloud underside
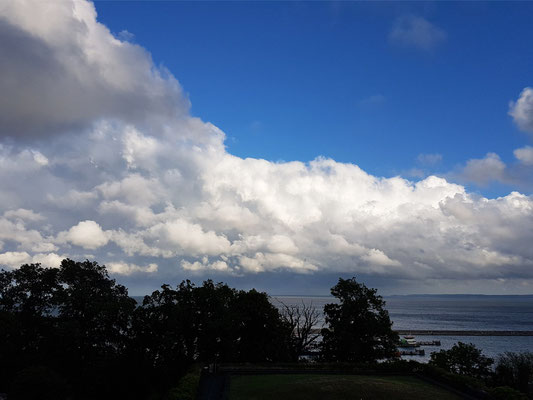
62,78
117,169
489,169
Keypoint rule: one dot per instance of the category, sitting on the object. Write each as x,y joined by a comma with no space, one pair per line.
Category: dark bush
506,393
463,359
514,370
463,383
187,388
38,383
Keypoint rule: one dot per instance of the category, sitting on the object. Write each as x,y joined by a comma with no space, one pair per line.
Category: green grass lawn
334,387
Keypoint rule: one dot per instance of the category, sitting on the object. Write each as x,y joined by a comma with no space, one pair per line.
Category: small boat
408,341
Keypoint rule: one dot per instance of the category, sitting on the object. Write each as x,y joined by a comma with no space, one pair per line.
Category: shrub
38,382
514,370
463,383
506,393
463,359
187,388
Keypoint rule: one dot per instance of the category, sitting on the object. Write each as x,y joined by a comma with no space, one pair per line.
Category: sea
450,312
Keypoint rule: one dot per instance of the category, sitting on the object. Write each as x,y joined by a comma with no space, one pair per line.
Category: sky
275,145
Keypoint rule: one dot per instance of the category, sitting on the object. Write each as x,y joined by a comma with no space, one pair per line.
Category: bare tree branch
301,319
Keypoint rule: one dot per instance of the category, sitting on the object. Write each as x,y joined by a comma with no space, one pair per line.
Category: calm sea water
452,312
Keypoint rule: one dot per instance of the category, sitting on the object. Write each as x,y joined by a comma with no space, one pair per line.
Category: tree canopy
73,331
358,326
73,322
463,359
515,370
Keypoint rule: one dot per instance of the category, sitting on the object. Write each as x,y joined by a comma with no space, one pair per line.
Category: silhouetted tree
463,359
166,330
209,323
73,332
30,290
301,320
358,327
215,303
514,370
94,317
74,322
28,299
261,334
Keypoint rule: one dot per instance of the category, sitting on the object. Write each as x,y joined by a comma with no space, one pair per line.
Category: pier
417,352
428,343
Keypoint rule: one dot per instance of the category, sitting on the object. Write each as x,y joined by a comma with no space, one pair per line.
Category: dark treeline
79,332
73,332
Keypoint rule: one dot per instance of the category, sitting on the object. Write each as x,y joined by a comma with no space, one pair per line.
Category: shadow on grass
334,387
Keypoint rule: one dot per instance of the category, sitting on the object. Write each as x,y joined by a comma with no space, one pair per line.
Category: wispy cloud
374,100
416,32
126,36
522,110
429,159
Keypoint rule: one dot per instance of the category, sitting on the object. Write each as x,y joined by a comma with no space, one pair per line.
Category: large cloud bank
100,158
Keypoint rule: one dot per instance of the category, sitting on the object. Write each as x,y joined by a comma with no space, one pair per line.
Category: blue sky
276,145
296,80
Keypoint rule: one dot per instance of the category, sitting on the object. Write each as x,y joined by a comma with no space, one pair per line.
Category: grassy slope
334,387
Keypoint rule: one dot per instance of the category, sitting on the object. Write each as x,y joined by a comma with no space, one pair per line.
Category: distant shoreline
460,295
440,295
426,332
448,295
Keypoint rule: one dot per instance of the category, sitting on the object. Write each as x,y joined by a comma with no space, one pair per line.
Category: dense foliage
463,359
515,370
74,332
358,327
510,379
64,331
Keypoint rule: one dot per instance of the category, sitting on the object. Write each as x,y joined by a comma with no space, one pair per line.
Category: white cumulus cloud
153,192
484,170
14,259
62,70
27,215
122,268
86,234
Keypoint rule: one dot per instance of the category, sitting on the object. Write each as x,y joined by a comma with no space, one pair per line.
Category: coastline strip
423,332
